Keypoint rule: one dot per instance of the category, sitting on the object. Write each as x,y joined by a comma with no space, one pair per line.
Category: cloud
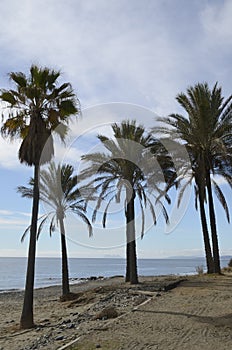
130,51
15,253
12,222
121,51
112,51
216,20
95,120
9,154
6,212
13,219
216,42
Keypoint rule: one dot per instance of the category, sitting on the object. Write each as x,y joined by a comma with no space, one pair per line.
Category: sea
48,270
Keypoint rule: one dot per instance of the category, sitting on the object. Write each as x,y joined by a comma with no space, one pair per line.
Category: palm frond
106,211
25,233
221,199
143,218
40,228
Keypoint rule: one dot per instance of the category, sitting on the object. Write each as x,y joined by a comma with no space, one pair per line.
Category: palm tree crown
37,107
59,190
123,168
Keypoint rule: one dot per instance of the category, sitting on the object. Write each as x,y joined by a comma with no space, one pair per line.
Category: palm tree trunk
216,256
131,243
133,263
27,319
127,279
208,252
65,274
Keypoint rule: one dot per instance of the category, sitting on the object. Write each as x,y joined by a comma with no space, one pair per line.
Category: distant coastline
48,270
223,257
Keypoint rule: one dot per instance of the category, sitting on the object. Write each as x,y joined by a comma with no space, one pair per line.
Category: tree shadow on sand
218,321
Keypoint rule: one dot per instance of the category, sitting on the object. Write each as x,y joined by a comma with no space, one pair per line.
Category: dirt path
197,315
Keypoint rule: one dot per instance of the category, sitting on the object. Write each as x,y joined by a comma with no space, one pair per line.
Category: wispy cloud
6,212
13,219
12,222
9,154
216,20
118,51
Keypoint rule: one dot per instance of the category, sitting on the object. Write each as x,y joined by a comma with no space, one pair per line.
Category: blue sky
118,55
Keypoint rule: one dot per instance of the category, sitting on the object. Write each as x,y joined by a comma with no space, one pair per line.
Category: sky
125,60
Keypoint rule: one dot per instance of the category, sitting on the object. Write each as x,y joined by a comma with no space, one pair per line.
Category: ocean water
48,270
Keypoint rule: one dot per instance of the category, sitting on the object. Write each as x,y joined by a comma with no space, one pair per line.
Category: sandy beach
167,312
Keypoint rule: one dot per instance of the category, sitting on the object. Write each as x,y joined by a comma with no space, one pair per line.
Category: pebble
120,299
60,337
66,321
70,326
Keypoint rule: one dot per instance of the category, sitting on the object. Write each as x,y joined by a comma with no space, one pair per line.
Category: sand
196,314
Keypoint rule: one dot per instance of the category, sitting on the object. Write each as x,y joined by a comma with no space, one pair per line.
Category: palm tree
37,106
197,174
58,189
120,169
207,133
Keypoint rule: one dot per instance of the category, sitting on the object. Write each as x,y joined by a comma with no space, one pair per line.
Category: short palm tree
37,106
121,169
207,134
58,189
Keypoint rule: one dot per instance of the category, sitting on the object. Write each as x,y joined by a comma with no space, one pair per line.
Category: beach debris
69,297
82,298
106,313
60,337
96,300
93,278
66,321
142,292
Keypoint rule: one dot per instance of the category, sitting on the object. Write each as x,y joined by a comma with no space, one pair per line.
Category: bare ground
197,314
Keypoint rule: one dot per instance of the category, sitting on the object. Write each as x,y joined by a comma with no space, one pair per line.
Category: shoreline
82,280
48,271
72,282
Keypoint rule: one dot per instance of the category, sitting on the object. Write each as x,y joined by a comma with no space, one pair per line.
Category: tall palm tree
207,133
197,175
36,107
120,169
58,189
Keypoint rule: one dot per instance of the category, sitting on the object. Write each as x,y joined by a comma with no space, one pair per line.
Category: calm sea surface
48,270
